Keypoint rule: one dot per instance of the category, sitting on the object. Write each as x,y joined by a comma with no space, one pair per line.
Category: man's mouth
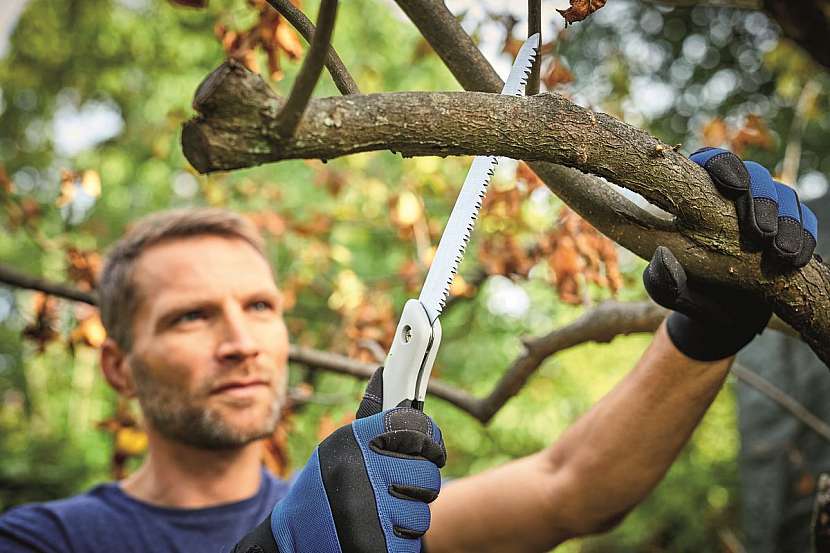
240,387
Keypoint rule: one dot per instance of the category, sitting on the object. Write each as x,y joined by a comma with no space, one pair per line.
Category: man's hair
118,294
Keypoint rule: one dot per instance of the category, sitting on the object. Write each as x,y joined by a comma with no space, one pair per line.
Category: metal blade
460,225
517,79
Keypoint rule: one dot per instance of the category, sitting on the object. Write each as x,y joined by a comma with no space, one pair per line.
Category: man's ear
117,369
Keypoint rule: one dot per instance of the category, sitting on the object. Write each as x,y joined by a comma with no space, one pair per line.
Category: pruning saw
409,363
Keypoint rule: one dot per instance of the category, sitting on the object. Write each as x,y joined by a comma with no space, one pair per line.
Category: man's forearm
616,453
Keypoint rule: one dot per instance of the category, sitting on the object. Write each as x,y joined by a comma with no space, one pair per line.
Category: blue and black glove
713,322
365,488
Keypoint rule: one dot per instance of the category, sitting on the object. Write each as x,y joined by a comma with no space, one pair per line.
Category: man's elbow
578,505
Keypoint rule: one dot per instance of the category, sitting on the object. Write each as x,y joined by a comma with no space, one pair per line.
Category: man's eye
191,316
262,305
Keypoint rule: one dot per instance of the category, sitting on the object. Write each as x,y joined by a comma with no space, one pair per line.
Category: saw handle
409,363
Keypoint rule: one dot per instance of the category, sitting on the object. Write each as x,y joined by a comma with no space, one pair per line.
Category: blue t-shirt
106,519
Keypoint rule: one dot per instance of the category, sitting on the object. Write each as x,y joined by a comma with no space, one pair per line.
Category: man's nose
237,341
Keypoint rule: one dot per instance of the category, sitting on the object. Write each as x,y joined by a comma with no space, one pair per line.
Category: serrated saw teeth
459,228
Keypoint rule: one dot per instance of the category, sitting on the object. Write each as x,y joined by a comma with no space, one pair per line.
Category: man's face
210,348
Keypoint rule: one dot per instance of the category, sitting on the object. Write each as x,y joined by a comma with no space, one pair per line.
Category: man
196,336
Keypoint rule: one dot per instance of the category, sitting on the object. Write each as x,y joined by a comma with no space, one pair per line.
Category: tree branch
534,25
784,400
545,127
14,278
291,113
601,324
337,69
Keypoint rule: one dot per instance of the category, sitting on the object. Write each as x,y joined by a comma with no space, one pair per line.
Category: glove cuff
707,342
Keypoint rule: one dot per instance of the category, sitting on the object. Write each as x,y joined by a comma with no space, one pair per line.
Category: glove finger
809,224
664,278
372,402
666,282
410,519
758,211
726,170
410,434
787,243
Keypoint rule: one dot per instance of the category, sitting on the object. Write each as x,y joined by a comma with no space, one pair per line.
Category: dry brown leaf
512,45
288,40
89,331
6,184
268,221
129,439
69,180
753,133
43,329
275,452
715,133
83,267
578,253
557,74
580,9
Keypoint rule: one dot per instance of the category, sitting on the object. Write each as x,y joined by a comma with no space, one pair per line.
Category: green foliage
138,62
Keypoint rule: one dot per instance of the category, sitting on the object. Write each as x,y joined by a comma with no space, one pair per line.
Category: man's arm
600,468
608,461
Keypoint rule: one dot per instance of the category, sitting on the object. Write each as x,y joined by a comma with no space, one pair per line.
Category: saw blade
464,213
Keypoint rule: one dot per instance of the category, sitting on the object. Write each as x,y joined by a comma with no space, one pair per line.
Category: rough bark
235,129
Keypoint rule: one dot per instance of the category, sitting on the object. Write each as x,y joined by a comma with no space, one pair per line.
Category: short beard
172,414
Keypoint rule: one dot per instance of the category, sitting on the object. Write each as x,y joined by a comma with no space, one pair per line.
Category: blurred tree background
93,94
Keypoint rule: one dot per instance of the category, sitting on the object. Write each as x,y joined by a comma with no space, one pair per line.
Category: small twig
291,113
374,348
20,280
783,399
600,324
534,25
342,78
346,365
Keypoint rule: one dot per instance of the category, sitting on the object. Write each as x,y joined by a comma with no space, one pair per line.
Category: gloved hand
365,488
713,322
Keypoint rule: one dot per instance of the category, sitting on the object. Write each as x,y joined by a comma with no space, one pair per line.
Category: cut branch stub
235,129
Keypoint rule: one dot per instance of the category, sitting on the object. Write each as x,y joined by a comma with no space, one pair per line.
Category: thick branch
234,130
546,127
292,111
337,69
